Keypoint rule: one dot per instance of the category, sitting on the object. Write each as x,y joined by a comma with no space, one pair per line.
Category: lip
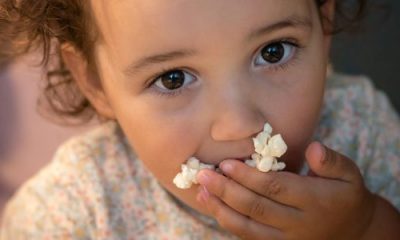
217,161
240,158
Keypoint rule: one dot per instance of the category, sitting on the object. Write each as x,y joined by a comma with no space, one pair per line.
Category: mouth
216,162
242,159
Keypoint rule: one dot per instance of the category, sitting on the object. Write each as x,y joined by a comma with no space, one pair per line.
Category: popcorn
267,150
277,146
187,176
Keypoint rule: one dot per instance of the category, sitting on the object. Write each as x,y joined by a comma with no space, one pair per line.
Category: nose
236,115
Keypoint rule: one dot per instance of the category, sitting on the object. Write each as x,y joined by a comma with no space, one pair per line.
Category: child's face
231,65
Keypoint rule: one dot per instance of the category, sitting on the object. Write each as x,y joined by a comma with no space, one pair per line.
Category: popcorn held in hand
187,176
267,150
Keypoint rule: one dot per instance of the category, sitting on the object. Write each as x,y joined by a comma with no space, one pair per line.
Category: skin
225,103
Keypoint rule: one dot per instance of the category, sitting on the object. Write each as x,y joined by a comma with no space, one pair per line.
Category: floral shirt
96,188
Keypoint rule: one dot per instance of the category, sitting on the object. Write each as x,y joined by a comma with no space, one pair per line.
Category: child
184,78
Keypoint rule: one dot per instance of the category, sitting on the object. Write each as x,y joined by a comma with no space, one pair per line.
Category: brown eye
276,53
273,53
173,80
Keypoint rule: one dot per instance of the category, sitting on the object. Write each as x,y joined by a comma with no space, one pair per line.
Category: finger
237,223
325,162
247,202
283,187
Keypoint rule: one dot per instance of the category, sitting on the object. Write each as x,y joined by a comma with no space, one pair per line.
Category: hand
333,203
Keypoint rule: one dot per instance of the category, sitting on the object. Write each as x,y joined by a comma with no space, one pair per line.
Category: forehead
148,24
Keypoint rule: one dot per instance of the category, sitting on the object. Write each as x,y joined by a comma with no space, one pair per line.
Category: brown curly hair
29,25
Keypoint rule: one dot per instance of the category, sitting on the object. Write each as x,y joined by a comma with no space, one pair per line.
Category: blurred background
27,141
373,50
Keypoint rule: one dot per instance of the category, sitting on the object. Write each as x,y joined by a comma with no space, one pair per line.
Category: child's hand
331,204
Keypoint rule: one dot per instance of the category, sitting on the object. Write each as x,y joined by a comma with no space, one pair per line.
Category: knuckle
271,187
218,214
226,222
257,208
225,225
331,158
221,189
242,231
224,189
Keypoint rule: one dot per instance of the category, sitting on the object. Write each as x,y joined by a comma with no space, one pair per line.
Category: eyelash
155,77
273,68
293,60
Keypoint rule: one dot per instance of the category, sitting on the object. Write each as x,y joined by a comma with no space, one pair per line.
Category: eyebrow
157,59
293,21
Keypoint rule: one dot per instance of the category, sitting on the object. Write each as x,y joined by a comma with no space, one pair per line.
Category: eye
276,53
173,80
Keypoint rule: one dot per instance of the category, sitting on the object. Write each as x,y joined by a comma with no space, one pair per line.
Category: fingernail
203,195
203,177
320,151
226,167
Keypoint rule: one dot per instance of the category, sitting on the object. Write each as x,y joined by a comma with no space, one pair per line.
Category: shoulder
354,108
84,159
358,94
355,93
104,139
356,111
68,195
359,121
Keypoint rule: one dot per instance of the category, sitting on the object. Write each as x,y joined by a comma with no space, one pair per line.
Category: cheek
162,142
298,125
162,139
296,113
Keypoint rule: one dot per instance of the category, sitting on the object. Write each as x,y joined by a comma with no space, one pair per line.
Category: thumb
325,162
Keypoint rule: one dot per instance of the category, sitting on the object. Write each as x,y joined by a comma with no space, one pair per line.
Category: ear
327,13
87,80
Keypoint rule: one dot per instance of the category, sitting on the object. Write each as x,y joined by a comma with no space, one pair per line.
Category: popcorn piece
260,141
278,166
187,176
193,163
277,147
265,164
256,157
267,128
267,149
251,163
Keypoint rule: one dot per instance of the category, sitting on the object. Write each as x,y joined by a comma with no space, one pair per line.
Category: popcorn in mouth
187,176
267,149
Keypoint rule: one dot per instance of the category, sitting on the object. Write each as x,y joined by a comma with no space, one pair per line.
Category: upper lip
215,160
240,158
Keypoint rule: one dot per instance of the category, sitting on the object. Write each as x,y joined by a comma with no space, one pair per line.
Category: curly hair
29,25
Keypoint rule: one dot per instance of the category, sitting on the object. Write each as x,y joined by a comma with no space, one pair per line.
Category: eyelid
150,81
150,84
291,41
